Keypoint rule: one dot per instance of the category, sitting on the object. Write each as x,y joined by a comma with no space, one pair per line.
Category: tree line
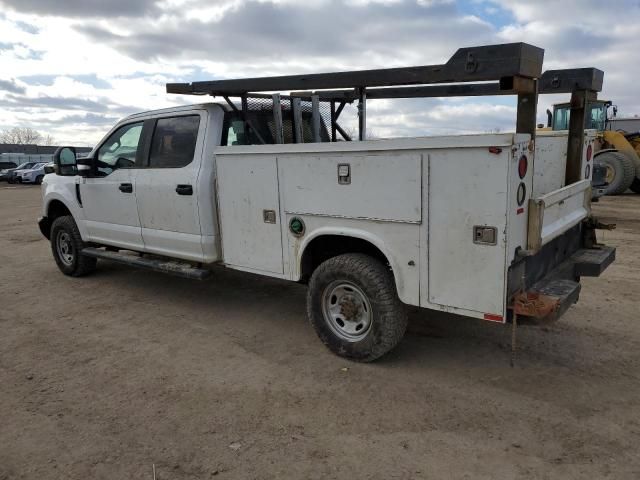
25,136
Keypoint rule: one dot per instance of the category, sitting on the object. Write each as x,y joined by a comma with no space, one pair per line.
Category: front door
108,198
167,189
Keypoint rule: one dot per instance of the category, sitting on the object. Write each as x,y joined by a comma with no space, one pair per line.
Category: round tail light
523,165
589,152
521,194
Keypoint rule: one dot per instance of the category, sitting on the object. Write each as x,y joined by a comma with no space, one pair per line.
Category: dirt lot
105,376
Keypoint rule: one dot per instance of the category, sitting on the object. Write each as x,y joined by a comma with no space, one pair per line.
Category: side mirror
85,166
64,161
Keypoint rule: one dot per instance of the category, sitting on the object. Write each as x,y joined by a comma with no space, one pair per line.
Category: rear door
166,189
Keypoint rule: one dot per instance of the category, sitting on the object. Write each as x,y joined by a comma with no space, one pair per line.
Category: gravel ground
113,374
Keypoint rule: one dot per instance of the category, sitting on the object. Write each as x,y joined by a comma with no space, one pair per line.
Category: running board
171,267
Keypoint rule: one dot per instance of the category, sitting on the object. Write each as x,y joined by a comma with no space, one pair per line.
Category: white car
34,174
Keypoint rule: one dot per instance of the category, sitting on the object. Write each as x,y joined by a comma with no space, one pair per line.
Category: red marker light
589,152
523,165
492,317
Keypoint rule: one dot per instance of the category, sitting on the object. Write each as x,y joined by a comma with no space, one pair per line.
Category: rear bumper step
592,262
156,264
548,299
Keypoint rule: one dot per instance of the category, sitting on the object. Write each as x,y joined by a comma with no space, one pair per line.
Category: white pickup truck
464,224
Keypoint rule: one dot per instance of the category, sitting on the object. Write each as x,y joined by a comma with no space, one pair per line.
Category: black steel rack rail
505,69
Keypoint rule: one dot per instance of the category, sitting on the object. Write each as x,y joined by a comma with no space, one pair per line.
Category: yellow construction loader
615,150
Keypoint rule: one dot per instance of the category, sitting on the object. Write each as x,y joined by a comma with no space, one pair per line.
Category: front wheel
39,179
354,308
66,245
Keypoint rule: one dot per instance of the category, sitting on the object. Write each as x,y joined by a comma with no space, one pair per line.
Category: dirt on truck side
129,370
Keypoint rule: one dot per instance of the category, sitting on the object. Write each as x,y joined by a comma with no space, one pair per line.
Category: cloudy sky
72,68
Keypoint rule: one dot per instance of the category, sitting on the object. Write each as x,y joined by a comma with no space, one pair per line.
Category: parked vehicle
7,165
617,152
464,224
4,173
34,174
9,174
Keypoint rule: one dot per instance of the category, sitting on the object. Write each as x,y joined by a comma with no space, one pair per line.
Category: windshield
561,118
595,118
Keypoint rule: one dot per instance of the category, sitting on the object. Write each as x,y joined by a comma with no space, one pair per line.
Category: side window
234,131
120,149
236,134
174,142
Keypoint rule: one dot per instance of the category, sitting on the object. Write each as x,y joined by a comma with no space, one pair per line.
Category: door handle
184,190
126,188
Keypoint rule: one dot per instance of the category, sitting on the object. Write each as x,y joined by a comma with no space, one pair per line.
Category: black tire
66,245
39,179
622,169
635,185
387,320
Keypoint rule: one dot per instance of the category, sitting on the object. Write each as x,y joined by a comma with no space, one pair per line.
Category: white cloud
101,62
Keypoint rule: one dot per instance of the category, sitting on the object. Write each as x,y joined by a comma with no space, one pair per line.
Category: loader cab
595,119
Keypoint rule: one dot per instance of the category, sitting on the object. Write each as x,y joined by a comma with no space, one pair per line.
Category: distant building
629,124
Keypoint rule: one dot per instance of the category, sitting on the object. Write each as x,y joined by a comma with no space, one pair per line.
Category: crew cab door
167,187
108,197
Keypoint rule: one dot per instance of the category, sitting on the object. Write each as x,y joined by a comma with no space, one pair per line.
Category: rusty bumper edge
546,302
535,304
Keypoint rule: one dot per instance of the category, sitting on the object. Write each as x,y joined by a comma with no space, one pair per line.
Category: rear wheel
354,308
66,245
620,172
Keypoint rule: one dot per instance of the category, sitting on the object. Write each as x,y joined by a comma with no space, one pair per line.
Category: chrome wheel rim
64,247
347,310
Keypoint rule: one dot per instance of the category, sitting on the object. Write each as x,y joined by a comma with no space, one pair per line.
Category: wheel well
57,209
324,247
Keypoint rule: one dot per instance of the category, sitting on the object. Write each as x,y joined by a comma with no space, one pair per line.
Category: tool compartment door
249,212
467,188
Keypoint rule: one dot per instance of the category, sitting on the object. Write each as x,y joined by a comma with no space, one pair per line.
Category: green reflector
296,226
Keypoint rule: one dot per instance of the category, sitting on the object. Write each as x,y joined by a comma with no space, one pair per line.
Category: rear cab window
236,132
173,143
